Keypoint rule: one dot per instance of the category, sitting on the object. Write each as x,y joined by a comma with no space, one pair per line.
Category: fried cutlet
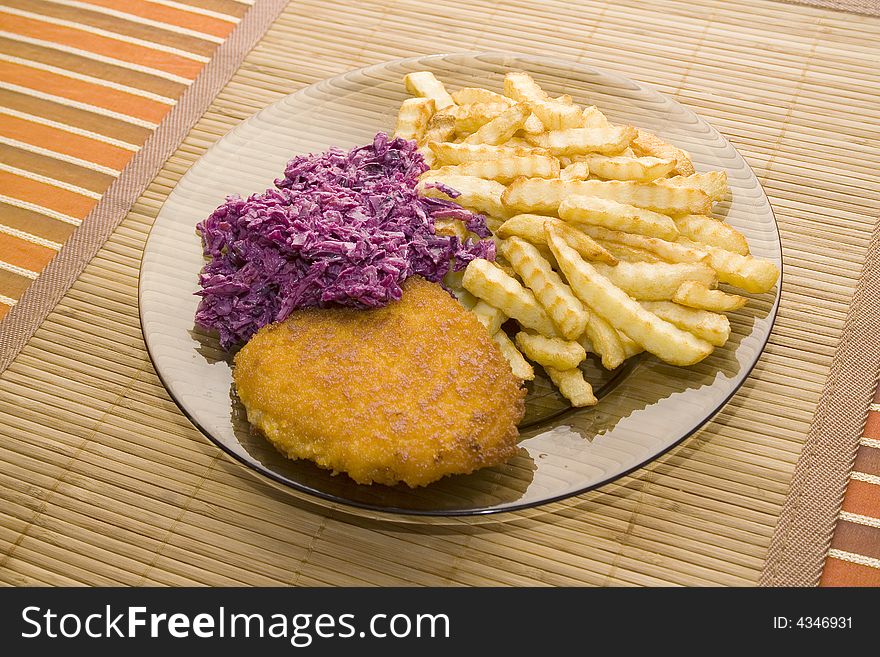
410,392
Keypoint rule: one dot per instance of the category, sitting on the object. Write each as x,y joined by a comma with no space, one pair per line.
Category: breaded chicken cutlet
410,392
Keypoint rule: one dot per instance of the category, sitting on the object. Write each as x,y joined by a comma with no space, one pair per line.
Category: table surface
103,481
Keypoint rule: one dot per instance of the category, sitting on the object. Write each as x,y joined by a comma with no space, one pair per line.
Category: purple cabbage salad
343,228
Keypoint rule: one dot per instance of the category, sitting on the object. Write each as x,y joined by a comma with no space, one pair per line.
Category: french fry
668,251
507,168
471,95
593,118
577,141
550,352
452,154
630,346
470,118
572,386
489,283
518,363
713,184
629,253
564,309
743,271
451,228
522,87
647,143
714,232
441,128
664,340
714,328
530,227
697,295
475,193
617,216
556,115
490,316
655,281
575,171
413,118
425,85
605,341
623,167
502,127
533,125
542,195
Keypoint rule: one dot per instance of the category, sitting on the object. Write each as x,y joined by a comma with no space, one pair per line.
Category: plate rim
307,494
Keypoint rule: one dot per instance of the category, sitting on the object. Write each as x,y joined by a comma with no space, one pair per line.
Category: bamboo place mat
104,482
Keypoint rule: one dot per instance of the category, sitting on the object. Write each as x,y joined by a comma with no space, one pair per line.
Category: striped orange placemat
854,557
82,86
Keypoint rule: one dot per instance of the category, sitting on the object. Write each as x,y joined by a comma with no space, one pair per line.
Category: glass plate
646,407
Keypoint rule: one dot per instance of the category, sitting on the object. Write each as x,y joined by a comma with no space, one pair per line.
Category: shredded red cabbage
341,228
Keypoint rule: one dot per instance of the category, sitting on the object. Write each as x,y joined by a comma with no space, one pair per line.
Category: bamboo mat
103,481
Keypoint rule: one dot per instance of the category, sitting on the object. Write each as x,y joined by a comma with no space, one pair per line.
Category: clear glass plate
646,406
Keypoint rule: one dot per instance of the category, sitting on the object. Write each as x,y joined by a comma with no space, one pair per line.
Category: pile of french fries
605,237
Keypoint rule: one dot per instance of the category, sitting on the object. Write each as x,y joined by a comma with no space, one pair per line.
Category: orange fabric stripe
48,196
872,426
861,498
22,253
3,310
64,142
129,52
170,15
83,92
843,573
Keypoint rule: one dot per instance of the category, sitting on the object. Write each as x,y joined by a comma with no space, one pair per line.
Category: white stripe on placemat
852,557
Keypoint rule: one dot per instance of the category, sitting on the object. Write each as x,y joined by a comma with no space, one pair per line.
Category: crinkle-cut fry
490,316
563,307
425,85
441,128
647,143
550,352
575,171
655,281
572,386
476,193
714,328
743,271
625,253
413,118
522,87
630,346
577,141
713,184
697,295
594,118
617,216
471,95
470,118
451,228
488,282
668,251
555,115
506,169
532,126
518,364
604,340
501,128
625,167
544,195
451,154
530,227
714,232
664,340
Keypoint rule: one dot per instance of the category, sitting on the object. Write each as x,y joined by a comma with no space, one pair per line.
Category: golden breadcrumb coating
410,392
